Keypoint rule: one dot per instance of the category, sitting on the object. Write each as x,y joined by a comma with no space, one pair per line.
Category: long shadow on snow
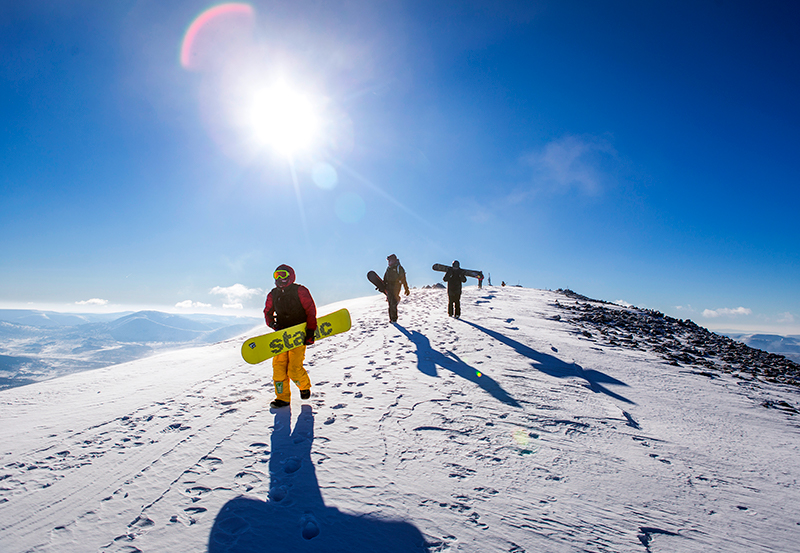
428,358
295,518
556,367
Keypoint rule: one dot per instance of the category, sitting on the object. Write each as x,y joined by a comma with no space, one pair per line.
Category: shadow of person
554,366
428,359
295,517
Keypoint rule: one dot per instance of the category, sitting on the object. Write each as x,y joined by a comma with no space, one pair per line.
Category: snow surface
506,431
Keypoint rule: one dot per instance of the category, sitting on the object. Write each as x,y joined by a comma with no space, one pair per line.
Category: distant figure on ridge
394,278
454,277
289,304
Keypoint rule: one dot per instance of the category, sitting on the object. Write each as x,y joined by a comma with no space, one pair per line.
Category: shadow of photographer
295,517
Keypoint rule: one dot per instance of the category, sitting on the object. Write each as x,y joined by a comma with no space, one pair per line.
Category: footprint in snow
291,465
176,427
248,480
309,526
195,510
209,464
196,493
278,493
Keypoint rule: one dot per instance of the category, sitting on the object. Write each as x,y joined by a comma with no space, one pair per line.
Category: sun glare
285,120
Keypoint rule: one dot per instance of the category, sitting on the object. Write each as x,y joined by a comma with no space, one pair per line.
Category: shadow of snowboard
428,359
557,368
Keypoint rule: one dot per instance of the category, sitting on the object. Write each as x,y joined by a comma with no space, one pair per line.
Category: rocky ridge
677,341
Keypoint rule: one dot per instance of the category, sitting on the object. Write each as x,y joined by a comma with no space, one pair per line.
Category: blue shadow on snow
295,517
428,358
554,366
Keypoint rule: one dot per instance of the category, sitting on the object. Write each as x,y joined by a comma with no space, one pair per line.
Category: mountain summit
540,421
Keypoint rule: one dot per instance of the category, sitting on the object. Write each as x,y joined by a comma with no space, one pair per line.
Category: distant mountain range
788,346
39,345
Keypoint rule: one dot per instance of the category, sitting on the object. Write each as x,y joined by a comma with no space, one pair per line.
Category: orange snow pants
289,366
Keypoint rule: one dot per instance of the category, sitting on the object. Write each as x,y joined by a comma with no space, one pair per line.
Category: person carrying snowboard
454,277
289,304
394,278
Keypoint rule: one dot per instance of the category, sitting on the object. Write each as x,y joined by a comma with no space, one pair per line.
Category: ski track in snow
507,431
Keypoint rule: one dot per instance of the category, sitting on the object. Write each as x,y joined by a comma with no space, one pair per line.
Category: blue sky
635,151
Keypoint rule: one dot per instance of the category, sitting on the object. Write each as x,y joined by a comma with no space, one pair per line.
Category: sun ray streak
386,195
300,206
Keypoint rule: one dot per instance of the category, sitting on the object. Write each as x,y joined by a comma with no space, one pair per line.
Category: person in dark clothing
454,277
394,278
289,304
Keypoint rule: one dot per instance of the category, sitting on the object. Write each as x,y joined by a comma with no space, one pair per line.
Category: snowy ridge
508,431
679,341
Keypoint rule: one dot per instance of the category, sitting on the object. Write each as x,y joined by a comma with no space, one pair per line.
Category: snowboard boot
305,394
277,403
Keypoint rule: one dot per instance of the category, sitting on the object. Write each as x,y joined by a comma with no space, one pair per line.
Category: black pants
454,305
393,298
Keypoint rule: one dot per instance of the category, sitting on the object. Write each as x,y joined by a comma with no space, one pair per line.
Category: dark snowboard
373,277
468,272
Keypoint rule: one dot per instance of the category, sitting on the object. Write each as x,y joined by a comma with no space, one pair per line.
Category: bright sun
284,119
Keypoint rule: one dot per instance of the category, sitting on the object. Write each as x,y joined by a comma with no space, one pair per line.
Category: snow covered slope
538,422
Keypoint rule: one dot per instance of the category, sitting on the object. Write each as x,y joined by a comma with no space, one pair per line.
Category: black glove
407,291
309,337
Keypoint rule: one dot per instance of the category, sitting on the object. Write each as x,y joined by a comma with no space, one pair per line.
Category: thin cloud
572,163
93,301
189,304
786,318
584,164
725,312
236,295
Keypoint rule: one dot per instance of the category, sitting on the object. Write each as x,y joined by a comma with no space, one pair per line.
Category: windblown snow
540,421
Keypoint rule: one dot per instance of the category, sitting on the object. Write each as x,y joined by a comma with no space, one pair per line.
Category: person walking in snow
289,304
394,278
454,277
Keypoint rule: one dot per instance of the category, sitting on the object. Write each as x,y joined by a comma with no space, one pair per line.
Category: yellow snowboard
258,349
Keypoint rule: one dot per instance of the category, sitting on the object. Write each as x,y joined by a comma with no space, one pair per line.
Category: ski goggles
281,274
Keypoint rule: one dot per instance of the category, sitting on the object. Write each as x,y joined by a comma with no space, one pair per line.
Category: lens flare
213,33
324,175
525,441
